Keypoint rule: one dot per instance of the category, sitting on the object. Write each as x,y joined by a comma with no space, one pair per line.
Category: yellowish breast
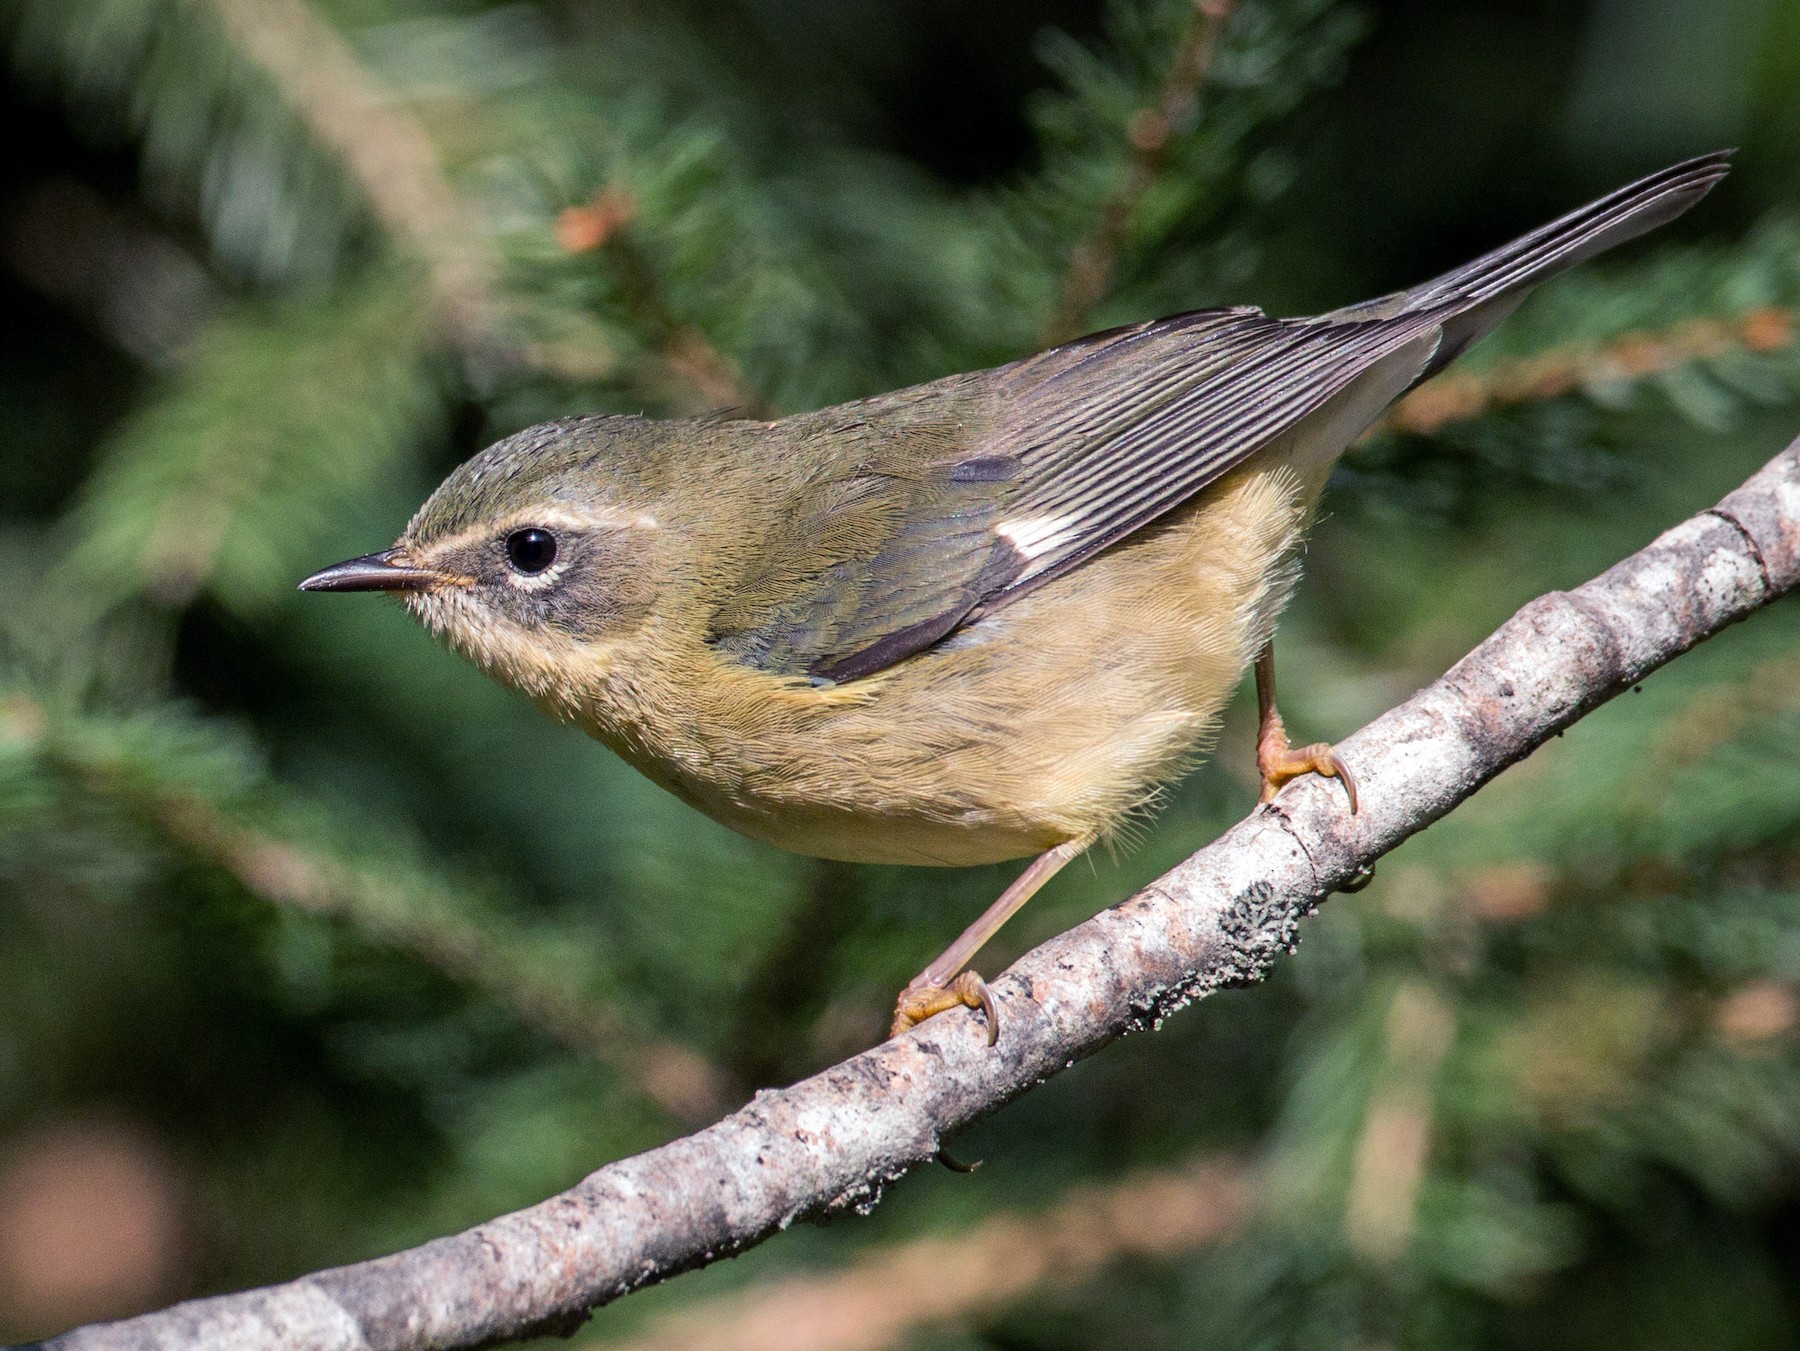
1055,718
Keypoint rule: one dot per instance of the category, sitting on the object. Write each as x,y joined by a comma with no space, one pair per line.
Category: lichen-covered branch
834,1141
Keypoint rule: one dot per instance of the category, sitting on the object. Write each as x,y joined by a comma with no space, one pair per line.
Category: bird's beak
385,571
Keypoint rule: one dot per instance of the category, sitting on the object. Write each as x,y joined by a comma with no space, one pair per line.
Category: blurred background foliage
317,944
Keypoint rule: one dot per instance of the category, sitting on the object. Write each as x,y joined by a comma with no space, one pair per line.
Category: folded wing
951,500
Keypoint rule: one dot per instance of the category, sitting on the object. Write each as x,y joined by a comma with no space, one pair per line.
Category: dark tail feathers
1478,295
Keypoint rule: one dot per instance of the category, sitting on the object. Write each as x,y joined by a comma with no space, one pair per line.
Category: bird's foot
919,1002
1280,762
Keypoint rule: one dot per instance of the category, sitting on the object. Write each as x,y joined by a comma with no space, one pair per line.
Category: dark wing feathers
1099,442
1625,214
953,499
1154,443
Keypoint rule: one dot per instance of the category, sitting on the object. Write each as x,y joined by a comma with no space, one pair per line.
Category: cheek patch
598,597
602,583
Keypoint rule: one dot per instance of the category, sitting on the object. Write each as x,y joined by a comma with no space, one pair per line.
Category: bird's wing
1079,447
1110,438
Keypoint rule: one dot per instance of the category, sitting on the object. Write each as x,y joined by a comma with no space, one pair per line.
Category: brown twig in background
1394,1145
676,1079
1217,921
670,1075
1461,395
875,1301
1147,137
604,225
389,156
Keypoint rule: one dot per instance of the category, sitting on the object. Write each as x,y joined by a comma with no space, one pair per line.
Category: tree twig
604,225
1461,395
383,149
1216,921
1147,135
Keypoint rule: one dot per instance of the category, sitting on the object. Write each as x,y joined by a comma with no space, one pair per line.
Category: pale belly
1057,718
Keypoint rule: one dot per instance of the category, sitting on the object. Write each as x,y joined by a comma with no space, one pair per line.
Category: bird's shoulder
883,504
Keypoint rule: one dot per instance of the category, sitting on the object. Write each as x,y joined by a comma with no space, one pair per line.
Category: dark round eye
531,550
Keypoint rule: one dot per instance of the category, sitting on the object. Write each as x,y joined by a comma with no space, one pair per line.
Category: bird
994,616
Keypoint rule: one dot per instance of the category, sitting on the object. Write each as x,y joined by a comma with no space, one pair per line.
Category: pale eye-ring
530,551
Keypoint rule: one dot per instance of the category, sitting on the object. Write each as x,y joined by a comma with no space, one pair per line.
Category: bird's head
533,559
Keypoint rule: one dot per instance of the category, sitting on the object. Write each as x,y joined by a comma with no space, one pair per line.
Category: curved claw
1281,764
1341,772
968,990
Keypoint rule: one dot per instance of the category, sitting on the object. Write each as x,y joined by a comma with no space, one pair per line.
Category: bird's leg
1279,761
938,987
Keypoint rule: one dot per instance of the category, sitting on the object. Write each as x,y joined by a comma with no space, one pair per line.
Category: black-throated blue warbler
984,618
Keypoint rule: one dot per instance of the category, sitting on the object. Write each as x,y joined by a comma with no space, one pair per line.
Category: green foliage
217,145
1193,239
277,422
374,950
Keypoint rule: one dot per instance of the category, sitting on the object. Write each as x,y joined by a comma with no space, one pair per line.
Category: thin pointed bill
384,571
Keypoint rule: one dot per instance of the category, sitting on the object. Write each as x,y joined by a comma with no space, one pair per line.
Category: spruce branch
276,418
1148,134
1216,921
382,148
605,225
416,916
1461,395
282,873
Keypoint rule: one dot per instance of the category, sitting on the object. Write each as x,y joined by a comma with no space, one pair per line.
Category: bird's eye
531,551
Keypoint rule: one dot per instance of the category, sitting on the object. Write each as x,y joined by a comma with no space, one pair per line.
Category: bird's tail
1478,295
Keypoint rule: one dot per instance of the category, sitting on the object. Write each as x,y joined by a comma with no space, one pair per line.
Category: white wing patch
1034,535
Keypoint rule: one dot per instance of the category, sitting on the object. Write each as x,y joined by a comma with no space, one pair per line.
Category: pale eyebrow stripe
551,519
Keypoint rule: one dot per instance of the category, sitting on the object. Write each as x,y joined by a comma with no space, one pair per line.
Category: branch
1147,135
1217,921
605,225
1461,395
381,146
878,1298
